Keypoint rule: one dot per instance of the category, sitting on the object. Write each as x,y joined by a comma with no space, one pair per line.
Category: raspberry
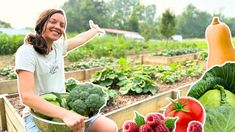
154,119
160,116
130,126
145,128
194,126
161,128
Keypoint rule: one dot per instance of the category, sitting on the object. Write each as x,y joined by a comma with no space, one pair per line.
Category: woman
40,67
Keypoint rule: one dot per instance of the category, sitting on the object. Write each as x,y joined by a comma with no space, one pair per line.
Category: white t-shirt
48,69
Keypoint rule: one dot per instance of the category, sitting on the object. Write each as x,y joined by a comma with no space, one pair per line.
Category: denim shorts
30,125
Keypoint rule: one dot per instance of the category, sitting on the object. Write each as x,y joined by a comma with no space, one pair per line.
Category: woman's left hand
95,26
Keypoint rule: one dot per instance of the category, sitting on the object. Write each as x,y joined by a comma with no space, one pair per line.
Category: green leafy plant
139,83
112,94
9,44
107,77
8,73
5,71
92,63
176,71
70,84
168,77
126,79
12,75
203,56
175,52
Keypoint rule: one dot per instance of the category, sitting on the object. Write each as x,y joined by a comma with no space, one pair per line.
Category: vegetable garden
121,68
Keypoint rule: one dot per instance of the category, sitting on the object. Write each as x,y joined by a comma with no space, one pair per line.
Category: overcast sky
23,13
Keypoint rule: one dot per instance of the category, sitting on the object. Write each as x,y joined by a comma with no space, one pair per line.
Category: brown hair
38,42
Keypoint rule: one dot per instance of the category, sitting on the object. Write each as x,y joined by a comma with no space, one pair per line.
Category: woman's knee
103,124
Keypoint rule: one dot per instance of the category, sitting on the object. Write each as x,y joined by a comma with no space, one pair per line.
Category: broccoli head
95,102
74,95
80,107
83,95
86,99
96,90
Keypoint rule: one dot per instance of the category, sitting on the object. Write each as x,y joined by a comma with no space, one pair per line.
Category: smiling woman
40,67
49,27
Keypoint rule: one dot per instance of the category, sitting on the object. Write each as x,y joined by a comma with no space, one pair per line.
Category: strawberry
145,128
161,128
154,119
194,126
130,126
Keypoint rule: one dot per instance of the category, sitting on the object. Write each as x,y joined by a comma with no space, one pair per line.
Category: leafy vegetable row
175,52
86,64
140,79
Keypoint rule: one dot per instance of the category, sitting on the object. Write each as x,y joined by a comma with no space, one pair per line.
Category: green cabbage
221,119
216,87
211,99
230,98
216,91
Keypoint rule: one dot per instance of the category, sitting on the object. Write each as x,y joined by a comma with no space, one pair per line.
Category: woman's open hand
95,26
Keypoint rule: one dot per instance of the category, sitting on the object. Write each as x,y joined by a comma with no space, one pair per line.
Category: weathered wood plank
183,91
90,72
156,60
10,86
78,75
13,118
3,123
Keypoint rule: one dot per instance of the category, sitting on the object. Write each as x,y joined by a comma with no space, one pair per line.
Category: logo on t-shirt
53,69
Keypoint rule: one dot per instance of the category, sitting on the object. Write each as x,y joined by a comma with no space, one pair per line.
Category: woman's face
54,27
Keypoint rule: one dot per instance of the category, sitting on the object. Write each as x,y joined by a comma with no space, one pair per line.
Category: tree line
131,15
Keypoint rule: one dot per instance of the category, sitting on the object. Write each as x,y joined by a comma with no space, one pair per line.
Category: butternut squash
220,47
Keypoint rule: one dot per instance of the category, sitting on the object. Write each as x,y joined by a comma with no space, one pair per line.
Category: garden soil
121,100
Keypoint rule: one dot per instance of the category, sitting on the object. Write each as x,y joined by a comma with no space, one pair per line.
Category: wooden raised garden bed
13,122
156,60
90,72
78,74
152,104
10,86
3,124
